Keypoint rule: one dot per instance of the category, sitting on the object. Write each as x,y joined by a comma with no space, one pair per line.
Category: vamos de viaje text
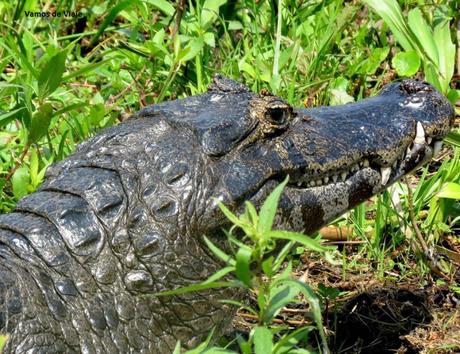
53,14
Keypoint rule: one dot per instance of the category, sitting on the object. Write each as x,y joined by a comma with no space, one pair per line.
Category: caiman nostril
410,86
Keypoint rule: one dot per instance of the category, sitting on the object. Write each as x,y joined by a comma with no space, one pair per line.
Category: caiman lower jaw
421,150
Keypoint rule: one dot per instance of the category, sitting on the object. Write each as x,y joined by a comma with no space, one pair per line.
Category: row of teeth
385,172
342,176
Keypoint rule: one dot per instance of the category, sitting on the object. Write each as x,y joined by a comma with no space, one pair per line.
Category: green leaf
280,295
453,138
308,242
420,28
19,182
7,117
40,123
197,287
218,252
450,190
406,63
267,266
453,95
243,261
391,13
84,69
340,97
216,350
446,51
177,348
252,213
163,5
372,62
313,300
219,274
51,75
209,39
282,255
33,168
110,17
96,113
3,340
210,12
239,304
247,68
263,340
291,340
191,50
268,209
230,216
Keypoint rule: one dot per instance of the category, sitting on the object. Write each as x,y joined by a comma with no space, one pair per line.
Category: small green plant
257,269
429,44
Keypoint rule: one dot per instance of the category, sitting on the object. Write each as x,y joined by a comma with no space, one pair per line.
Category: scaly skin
123,217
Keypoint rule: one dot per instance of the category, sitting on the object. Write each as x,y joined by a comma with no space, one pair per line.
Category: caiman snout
337,157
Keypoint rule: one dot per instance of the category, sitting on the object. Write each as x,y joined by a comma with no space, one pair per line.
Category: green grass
2,342
64,79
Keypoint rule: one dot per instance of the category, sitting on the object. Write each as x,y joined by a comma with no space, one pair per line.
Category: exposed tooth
299,183
420,134
429,140
326,179
395,164
366,163
343,176
311,184
335,178
408,151
319,182
386,172
437,147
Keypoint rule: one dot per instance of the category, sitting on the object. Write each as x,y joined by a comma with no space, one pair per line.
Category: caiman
123,218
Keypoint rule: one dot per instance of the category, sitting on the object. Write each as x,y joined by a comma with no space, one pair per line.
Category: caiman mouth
422,148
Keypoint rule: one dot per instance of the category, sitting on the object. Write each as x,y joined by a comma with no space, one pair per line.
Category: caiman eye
277,116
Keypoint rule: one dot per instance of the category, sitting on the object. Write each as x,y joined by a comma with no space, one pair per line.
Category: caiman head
335,157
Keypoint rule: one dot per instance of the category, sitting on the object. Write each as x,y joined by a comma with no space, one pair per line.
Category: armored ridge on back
124,216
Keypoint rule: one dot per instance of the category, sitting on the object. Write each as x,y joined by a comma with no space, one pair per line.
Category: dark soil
377,317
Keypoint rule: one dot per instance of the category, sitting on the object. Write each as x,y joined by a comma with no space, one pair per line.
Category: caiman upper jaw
392,133
421,149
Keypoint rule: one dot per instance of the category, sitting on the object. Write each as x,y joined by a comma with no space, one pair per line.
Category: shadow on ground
374,321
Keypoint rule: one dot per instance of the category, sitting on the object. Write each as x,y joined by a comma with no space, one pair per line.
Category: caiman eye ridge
387,173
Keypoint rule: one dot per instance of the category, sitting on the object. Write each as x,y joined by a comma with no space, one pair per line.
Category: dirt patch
374,321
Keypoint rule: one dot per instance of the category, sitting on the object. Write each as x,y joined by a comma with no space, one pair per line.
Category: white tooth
408,151
395,164
311,184
437,147
429,140
299,184
343,176
366,163
326,179
386,172
335,178
319,182
420,134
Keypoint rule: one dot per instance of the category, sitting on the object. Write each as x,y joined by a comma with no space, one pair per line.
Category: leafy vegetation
64,78
256,269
